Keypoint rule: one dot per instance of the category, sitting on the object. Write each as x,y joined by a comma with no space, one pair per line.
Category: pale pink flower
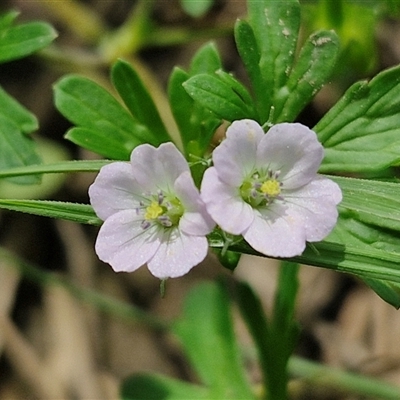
152,213
265,187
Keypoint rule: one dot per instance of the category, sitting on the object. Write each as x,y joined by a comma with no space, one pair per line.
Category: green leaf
218,96
206,60
196,8
372,202
81,213
236,86
157,387
250,55
387,291
206,332
24,39
355,23
196,124
104,126
258,325
14,111
49,151
137,98
275,25
362,235
361,133
16,148
313,68
181,105
276,339
96,140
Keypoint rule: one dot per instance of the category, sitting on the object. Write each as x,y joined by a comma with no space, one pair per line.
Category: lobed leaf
16,148
313,68
373,202
275,25
23,39
205,60
138,100
249,53
361,133
104,126
196,124
218,96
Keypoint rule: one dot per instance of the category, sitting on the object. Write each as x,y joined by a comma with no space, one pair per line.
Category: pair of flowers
264,187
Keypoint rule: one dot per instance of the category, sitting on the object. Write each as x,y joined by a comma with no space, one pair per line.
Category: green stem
333,13
102,302
162,36
316,374
78,17
283,331
336,379
56,168
131,36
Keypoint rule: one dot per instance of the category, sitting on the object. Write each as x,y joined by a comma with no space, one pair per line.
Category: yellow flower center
271,188
153,211
261,191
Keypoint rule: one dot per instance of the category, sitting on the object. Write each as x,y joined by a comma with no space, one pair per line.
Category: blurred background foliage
71,328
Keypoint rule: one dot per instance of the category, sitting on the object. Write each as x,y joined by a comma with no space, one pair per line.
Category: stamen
160,197
165,220
145,224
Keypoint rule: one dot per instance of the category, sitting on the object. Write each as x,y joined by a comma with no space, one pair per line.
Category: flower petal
177,254
158,168
235,157
224,204
114,189
316,203
292,149
124,244
277,233
195,220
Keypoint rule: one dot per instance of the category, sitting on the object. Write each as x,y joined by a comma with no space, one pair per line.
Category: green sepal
228,259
